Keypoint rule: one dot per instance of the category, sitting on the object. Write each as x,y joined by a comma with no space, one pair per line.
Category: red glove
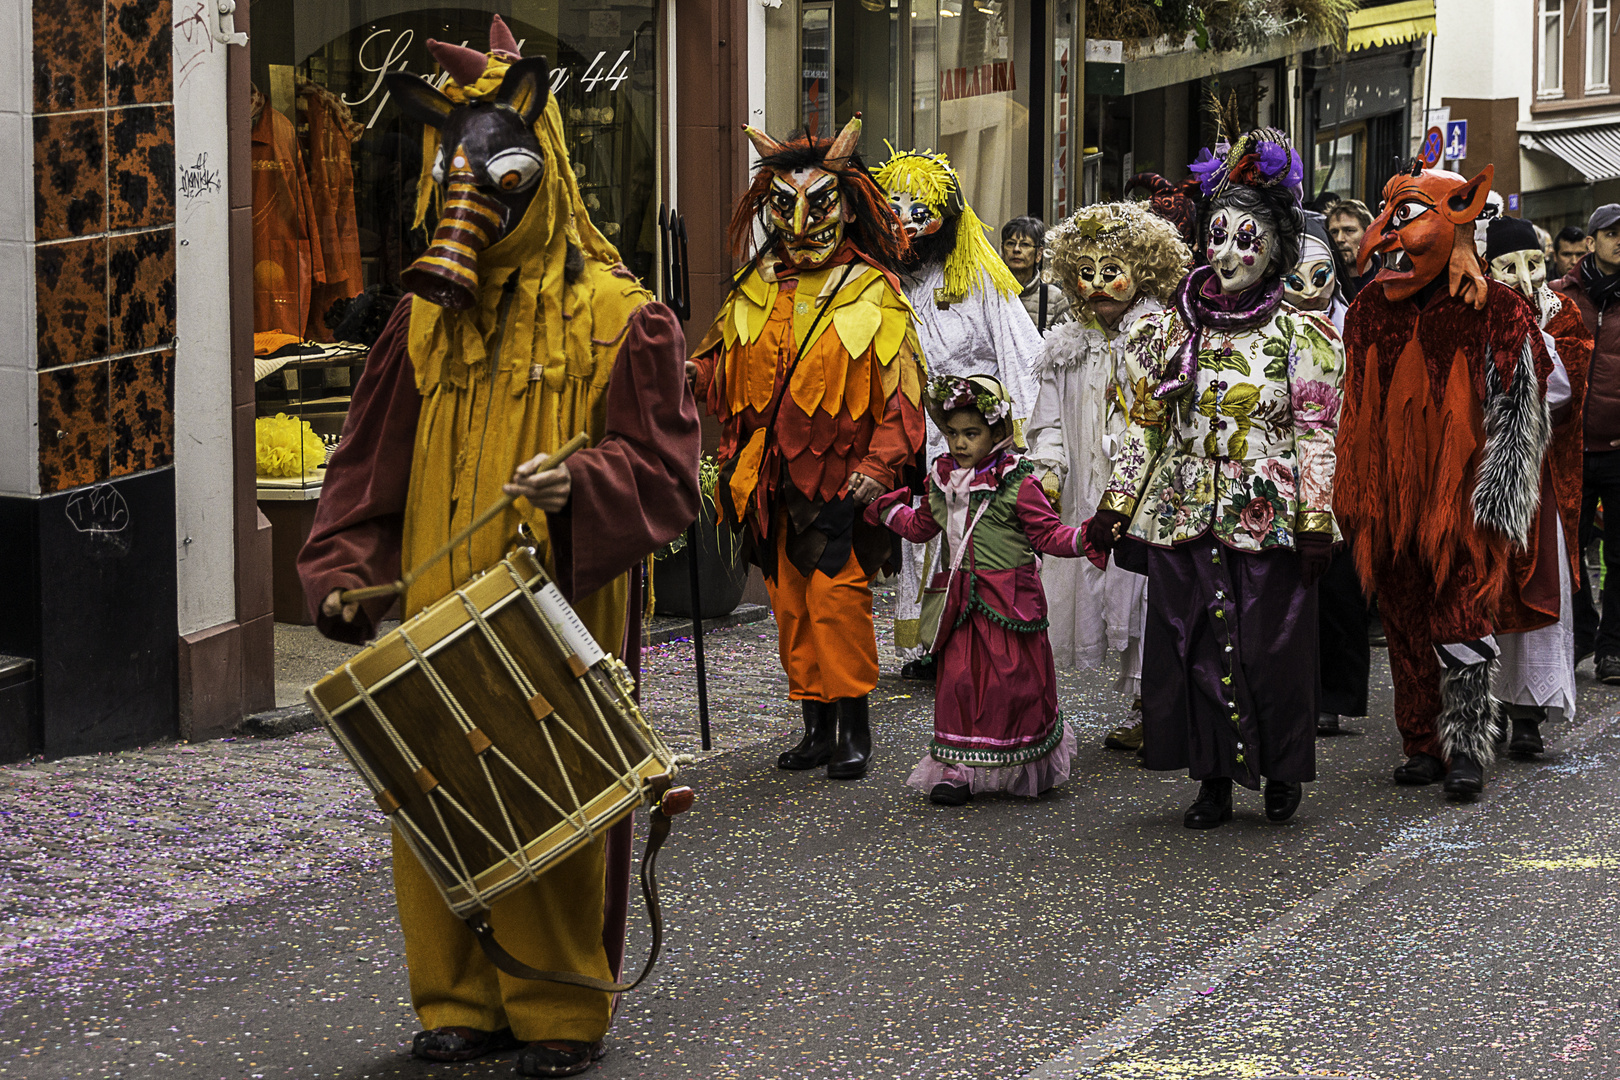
1315,553
1099,529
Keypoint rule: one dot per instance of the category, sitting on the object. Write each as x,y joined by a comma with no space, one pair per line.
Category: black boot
1213,806
1282,799
1525,741
815,749
1421,769
854,750
945,794
922,669
1467,776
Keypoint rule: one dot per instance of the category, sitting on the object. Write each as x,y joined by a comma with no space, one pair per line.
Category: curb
276,723
665,628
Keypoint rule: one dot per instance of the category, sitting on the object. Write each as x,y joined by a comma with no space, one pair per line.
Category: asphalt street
822,930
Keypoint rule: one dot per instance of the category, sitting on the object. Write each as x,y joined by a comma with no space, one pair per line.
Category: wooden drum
495,733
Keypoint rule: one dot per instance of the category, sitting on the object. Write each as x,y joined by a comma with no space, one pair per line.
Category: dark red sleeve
637,488
894,512
355,540
1046,531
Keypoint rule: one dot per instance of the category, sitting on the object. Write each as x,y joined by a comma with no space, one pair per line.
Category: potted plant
722,573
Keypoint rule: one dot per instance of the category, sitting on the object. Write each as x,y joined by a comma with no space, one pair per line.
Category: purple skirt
995,699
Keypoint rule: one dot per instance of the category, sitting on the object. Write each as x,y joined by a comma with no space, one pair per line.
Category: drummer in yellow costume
813,369
524,329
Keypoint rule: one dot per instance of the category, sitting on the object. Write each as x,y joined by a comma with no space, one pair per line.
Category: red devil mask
1429,216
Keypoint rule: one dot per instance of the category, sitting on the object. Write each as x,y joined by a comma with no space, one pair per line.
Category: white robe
984,333
1073,434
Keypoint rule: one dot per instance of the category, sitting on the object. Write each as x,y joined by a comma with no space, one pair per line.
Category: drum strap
656,835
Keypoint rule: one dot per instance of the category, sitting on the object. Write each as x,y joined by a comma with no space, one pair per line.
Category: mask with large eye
1104,282
513,170
1522,270
916,216
1238,245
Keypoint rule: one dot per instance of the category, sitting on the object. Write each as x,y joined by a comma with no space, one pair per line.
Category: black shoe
1467,776
461,1043
1212,808
1421,769
854,750
1526,738
922,669
1608,670
1282,799
1328,724
561,1057
1582,653
950,794
815,749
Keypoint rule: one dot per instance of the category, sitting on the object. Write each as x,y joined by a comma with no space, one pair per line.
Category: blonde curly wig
1130,230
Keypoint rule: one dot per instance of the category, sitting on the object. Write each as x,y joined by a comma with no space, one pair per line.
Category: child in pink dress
996,722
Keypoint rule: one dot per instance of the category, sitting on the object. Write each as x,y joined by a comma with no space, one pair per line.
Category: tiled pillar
88,368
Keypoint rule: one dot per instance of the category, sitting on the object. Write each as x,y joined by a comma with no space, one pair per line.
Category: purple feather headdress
1260,158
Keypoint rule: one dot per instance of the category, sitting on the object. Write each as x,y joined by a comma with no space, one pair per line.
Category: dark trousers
1345,654
1601,481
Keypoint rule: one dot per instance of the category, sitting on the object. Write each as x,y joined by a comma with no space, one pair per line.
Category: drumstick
373,592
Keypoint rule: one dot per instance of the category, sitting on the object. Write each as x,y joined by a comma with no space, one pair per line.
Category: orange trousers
824,629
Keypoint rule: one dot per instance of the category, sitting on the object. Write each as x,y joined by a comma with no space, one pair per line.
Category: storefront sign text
966,82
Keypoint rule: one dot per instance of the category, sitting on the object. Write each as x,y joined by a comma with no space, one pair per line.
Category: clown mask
1104,282
918,218
1312,284
1238,246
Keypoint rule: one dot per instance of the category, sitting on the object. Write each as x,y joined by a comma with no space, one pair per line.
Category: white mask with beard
1239,246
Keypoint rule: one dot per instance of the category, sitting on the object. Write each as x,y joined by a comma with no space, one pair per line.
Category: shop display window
335,168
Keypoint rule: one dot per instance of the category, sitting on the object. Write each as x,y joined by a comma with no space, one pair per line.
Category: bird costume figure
523,330
1441,484
814,371
970,321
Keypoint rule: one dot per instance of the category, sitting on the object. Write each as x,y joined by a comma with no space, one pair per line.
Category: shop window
1340,162
1597,47
335,168
1550,84
983,47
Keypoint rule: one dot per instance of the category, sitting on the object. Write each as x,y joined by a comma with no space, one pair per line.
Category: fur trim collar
1068,344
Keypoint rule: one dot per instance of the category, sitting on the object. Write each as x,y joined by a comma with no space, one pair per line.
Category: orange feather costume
1442,482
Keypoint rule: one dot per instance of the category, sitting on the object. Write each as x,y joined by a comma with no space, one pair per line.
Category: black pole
697,633
678,295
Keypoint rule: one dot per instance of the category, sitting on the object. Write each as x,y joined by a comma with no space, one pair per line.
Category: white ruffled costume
1079,416
984,333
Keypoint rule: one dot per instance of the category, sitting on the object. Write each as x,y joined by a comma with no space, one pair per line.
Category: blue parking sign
1456,140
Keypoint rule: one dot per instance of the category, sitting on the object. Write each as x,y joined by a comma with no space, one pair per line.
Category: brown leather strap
656,835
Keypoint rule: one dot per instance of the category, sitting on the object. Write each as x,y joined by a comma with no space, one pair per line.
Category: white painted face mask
1525,270
1312,283
1238,245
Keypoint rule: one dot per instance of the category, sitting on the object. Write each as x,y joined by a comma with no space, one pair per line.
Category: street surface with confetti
224,910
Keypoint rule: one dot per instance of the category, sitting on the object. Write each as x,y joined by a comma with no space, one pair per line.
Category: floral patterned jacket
1247,451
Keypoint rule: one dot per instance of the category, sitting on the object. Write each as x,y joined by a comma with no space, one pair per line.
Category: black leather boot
1282,799
1526,738
1213,807
816,748
1421,769
854,750
1466,776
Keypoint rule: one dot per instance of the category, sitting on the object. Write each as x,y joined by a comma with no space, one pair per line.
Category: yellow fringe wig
929,177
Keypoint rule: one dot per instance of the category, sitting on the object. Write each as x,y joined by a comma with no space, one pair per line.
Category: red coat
1602,412
1412,442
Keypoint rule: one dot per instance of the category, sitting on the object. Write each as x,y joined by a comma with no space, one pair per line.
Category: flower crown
950,392
1258,159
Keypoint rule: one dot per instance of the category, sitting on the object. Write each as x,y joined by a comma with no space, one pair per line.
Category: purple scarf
1221,311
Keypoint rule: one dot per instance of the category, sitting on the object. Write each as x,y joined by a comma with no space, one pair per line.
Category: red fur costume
1442,482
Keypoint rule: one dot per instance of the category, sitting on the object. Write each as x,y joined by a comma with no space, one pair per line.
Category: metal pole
697,632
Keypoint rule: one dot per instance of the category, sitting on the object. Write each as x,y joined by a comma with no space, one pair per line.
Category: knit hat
1507,234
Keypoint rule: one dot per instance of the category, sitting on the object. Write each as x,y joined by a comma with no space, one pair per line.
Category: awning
1390,24
1594,152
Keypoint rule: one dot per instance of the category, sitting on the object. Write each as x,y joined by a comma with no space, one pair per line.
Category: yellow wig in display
927,194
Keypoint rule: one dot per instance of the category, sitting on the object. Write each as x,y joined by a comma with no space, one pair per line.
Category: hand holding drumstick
543,480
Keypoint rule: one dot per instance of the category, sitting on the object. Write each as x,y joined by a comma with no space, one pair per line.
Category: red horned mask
1429,216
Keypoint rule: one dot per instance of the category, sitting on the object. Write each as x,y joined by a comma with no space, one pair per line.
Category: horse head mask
489,162
1428,215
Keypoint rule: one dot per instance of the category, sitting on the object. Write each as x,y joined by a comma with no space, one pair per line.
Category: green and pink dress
997,727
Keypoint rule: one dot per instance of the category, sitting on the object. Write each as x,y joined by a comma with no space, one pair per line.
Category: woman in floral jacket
1226,472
